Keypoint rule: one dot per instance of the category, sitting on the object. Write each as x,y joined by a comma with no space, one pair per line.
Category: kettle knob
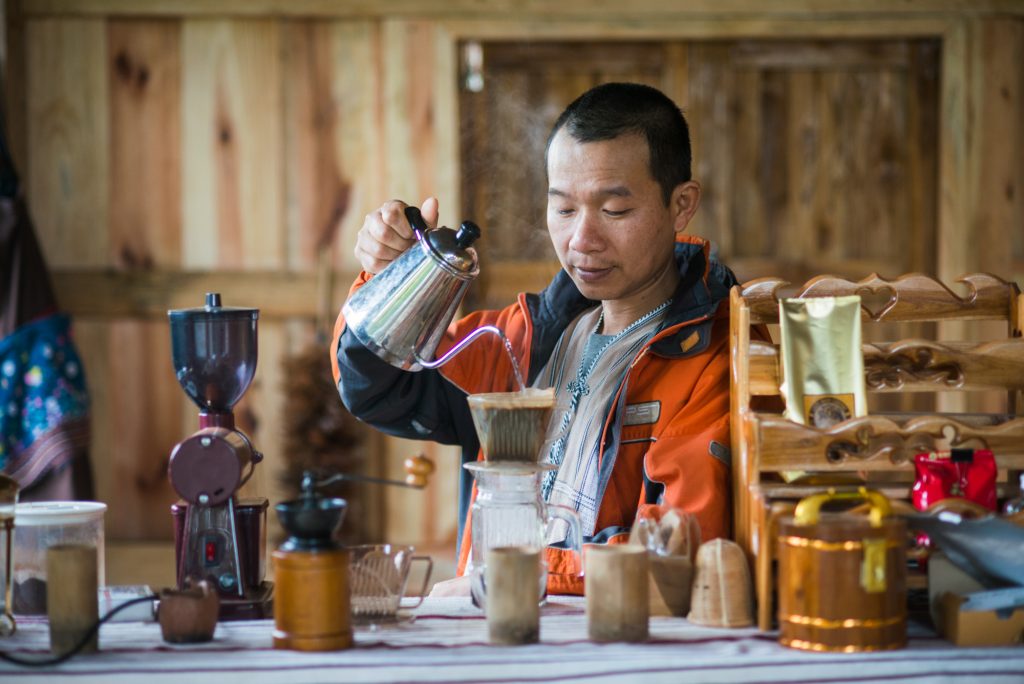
467,234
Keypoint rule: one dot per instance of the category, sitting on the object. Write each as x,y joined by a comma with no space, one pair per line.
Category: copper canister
311,605
842,576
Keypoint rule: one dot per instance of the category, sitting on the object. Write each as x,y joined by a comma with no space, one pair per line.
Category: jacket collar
704,282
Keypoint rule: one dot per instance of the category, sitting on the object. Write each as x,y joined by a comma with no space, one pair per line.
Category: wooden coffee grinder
312,610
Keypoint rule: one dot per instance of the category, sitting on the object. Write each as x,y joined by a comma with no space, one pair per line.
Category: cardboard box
980,627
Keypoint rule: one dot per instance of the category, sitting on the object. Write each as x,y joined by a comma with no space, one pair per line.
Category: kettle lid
454,247
448,247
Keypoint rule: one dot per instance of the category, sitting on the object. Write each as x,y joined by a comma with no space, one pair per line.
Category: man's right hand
386,233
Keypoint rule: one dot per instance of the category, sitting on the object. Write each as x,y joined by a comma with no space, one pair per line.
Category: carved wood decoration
914,365
877,442
911,297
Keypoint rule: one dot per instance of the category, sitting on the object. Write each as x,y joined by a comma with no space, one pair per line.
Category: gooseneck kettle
402,312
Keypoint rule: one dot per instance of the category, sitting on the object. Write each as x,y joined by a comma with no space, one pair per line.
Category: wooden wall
170,148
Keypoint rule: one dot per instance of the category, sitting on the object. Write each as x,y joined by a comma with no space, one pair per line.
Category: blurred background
167,149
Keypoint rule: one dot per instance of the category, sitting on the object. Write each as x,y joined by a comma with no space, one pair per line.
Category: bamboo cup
616,588
72,600
513,612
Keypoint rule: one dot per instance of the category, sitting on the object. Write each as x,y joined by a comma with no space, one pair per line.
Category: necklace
578,386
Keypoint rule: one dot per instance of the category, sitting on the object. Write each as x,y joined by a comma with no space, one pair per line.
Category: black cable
81,644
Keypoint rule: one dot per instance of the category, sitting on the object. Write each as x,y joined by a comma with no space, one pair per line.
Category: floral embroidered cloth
44,404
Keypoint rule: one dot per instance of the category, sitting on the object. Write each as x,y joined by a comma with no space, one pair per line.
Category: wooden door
814,157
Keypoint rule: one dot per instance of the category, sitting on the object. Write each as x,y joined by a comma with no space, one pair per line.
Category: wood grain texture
505,8
915,365
68,139
910,297
144,72
149,294
232,145
332,136
874,443
145,410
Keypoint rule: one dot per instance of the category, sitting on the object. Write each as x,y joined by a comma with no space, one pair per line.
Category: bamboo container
513,612
72,598
616,587
842,577
312,609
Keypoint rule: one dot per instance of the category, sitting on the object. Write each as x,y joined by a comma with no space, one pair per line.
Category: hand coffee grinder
218,536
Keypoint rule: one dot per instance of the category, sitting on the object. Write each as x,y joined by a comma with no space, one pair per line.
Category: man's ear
684,202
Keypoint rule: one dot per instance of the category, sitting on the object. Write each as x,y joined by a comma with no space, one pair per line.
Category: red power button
211,551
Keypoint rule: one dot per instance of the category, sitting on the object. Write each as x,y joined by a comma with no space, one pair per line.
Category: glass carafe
510,511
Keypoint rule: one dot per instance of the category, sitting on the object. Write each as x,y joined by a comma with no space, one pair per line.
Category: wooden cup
72,600
513,612
616,587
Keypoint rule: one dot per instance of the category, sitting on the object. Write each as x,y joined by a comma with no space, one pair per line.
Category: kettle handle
415,218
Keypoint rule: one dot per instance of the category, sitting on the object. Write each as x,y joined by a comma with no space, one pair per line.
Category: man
632,333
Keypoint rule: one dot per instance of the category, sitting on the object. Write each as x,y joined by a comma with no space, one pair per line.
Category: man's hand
453,587
386,233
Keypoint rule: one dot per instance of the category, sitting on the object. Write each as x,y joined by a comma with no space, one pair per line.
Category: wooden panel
145,412
706,106
505,8
259,415
68,138
149,294
999,92
145,154
333,136
232,142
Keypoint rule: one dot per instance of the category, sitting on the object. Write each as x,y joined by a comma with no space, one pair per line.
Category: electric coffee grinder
218,536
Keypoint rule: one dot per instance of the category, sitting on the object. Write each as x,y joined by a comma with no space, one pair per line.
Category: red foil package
966,473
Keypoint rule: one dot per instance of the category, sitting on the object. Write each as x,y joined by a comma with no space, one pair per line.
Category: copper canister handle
809,508
872,570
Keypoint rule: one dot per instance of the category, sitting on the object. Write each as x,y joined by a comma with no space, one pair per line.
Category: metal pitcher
402,312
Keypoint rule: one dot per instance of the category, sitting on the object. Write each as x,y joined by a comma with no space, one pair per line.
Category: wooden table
447,642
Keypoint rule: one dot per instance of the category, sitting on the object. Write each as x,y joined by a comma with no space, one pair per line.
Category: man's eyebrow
614,191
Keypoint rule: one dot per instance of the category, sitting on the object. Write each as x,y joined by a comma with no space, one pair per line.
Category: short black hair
607,111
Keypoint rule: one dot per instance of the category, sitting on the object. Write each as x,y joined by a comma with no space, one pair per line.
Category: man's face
607,217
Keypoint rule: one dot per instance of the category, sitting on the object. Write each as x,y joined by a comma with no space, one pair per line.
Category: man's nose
586,234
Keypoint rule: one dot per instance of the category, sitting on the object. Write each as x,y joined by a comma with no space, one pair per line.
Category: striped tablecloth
447,642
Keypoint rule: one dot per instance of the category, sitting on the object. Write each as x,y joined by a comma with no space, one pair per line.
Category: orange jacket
666,436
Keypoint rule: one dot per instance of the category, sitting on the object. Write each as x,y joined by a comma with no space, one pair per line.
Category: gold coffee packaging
822,363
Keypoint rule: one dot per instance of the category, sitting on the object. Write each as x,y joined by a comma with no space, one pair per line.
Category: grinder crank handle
417,469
